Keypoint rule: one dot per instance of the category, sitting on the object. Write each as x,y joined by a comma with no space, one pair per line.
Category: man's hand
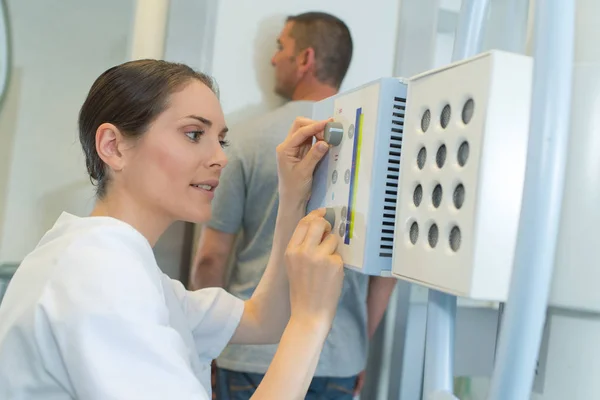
210,262
360,383
213,379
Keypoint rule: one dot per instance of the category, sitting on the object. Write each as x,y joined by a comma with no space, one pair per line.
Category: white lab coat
89,315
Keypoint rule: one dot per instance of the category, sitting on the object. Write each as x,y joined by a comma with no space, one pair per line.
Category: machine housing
462,174
359,177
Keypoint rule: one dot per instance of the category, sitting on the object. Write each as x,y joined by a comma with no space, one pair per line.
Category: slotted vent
392,176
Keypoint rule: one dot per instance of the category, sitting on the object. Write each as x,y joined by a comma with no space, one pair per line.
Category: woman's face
174,167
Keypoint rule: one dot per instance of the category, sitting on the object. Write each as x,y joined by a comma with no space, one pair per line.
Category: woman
88,315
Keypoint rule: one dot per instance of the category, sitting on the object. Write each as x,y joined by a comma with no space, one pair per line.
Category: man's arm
378,297
210,263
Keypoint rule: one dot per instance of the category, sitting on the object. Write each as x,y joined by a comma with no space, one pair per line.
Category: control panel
357,181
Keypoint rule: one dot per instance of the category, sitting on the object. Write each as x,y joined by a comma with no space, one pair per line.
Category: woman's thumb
314,155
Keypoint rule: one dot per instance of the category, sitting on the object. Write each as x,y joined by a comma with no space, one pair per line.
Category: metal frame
531,281
525,312
6,53
441,310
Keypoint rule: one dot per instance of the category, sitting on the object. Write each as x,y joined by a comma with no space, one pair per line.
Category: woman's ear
108,142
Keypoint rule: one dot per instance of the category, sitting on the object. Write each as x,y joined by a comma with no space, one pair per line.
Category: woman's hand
313,284
315,271
297,158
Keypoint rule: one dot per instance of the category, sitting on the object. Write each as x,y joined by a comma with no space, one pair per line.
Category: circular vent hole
459,196
445,117
418,195
455,238
467,112
463,153
436,197
414,232
425,120
421,158
433,236
440,157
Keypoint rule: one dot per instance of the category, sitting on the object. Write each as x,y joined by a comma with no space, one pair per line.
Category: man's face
285,63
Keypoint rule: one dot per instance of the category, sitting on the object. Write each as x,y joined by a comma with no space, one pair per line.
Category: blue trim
351,192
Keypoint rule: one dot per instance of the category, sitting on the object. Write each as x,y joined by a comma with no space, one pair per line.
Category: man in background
313,56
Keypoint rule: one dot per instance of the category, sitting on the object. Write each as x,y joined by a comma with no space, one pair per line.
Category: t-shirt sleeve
230,196
213,315
109,327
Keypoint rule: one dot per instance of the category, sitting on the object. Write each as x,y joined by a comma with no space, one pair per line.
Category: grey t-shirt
246,201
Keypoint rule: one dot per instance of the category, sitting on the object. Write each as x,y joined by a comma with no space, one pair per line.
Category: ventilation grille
391,181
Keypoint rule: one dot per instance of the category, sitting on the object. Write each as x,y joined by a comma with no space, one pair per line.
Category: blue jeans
233,385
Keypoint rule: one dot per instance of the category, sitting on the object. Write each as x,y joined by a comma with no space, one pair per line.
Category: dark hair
331,41
130,96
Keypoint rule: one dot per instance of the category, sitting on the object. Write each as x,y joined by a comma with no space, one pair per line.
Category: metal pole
149,29
5,50
417,31
439,343
515,24
441,309
470,32
542,199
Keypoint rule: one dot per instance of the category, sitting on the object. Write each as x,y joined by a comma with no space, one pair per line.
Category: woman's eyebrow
207,122
201,119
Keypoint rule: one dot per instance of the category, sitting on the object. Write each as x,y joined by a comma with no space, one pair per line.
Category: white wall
246,39
60,47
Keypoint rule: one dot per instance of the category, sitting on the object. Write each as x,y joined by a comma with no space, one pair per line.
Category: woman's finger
305,133
299,233
303,226
314,155
300,122
317,213
304,148
328,245
318,228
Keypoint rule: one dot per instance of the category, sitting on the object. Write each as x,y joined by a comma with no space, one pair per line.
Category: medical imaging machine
480,180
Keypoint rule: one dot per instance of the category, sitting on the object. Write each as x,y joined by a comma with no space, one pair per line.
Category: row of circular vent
462,155
458,195
433,236
466,115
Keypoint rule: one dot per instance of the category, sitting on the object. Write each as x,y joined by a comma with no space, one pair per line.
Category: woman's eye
224,143
194,135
